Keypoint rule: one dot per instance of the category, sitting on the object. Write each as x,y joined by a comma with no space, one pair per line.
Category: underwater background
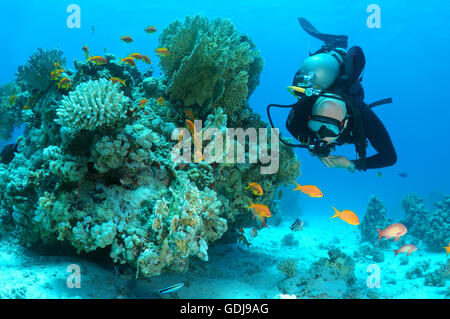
406,59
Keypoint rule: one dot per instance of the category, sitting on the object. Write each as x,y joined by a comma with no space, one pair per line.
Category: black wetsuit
373,130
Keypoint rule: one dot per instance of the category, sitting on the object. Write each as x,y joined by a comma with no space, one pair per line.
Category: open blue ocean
118,177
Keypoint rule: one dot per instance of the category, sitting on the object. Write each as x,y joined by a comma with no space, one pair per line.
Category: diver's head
329,118
319,70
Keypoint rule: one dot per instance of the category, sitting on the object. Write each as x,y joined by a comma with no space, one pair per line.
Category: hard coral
92,105
210,64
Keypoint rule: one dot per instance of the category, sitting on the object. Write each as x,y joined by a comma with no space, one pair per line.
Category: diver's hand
335,161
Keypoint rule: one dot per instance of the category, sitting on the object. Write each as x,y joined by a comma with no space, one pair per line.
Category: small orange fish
117,80
128,60
347,216
409,249
26,107
99,60
137,56
142,102
12,99
189,114
146,59
150,29
310,190
64,83
260,209
86,51
447,248
162,51
190,126
255,188
394,231
126,39
160,101
180,136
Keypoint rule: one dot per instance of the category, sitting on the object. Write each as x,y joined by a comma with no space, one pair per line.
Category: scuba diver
330,110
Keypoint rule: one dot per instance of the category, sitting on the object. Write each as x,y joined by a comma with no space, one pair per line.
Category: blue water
406,59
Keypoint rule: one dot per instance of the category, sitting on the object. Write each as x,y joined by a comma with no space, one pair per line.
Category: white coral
93,104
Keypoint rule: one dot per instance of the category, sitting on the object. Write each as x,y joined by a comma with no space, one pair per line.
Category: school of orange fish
262,211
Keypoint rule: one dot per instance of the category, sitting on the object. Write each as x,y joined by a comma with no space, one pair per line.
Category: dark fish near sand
296,225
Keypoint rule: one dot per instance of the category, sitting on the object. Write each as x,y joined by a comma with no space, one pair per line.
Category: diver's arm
380,140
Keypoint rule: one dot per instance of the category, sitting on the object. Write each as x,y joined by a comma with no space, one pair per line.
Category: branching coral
35,74
432,227
288,267
92,105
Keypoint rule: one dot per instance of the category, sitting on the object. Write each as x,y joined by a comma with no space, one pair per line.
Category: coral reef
92,105
94,168
331,277
368,251
439,276
210,64
11,101
34,76
433,227
289,240
375,217
288,267
418,270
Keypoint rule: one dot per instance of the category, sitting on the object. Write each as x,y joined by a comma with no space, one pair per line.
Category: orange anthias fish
128,60
447,248
26,107
347,216
150,29
255,188
64,83
310,190
12,99
160,101
136,56
189,114
162,51
261,211
190,126
126,39
99,60
146,59
86,51
409,249
142,102
117,80
395,230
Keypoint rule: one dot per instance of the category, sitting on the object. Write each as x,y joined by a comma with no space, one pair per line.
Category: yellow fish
260,209
160,101
12,99
150,29
310,190
142,102
25,107
99,60
162,51
117,80
126,39
447,248
255,188
347,216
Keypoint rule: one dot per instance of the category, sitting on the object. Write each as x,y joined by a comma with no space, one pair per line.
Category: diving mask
325,126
